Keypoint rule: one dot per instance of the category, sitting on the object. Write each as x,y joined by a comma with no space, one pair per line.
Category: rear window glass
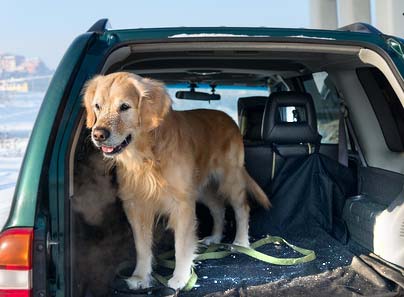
227,103
326,103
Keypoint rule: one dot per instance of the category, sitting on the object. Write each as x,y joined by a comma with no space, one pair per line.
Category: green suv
340,194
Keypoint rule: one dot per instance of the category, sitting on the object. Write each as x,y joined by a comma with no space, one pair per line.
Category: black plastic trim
40,258
360,28
386,106
100,26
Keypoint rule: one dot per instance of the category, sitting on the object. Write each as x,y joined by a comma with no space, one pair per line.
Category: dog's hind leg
234,187
210,197
183,221
141,220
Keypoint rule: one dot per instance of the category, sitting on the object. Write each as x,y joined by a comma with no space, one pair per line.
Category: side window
326,102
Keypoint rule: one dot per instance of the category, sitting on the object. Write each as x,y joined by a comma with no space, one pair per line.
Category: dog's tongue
107,149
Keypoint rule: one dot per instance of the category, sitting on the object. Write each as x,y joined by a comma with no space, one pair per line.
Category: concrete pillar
389,17
323,14
353,11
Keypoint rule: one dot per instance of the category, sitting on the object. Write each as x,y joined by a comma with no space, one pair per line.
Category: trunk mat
336,270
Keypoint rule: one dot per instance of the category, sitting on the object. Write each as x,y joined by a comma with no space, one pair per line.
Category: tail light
16,262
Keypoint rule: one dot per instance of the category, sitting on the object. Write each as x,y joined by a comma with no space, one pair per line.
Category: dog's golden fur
175,158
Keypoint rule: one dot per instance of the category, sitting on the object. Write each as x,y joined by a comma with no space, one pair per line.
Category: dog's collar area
112,150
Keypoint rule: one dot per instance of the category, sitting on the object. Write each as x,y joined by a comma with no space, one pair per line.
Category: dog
166,161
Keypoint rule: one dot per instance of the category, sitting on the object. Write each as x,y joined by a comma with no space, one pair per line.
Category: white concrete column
353,11
323,14
389,17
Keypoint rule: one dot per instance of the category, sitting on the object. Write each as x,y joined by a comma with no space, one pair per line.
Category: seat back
289,126
258,156
251,110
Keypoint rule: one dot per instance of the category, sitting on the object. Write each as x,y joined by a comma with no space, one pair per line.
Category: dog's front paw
211,239
177,282
135,282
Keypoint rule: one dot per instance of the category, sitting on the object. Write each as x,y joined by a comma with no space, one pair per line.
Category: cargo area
105,252
296,133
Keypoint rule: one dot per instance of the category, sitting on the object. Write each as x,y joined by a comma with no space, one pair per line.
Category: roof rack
360,27
100,26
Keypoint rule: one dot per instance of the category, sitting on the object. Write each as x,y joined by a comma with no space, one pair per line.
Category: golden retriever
167,161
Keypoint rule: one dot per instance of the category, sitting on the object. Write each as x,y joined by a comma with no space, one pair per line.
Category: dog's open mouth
112,150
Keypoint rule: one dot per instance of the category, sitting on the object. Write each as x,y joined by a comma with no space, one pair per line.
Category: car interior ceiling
285,160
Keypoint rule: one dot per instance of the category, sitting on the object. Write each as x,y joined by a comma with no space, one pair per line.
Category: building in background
21,74
15,64
9,63
386,15
14,86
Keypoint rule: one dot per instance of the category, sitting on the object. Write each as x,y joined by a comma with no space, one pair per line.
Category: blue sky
45,28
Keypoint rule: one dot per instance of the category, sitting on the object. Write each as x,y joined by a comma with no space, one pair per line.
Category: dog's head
120,107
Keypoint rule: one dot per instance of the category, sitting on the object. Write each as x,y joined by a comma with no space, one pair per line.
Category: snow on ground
17,116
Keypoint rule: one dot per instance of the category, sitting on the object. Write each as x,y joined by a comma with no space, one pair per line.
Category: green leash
219,251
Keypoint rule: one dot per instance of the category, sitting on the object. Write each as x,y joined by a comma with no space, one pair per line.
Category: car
283,87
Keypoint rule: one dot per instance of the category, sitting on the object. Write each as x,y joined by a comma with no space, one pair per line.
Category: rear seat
251,110
258,156
265,152
289,139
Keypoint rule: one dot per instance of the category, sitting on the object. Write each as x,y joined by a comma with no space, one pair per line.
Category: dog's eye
97,106
124,107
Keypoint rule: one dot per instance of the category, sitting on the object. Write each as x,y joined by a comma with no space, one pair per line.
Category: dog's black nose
101,134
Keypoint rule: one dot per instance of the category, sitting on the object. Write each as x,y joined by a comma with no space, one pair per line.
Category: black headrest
253,109
276,131
251,103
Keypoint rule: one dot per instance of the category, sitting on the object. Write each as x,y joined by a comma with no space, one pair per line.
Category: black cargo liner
338,269
331,273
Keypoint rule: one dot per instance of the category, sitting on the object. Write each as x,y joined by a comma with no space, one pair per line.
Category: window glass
227,103
326,103
291,114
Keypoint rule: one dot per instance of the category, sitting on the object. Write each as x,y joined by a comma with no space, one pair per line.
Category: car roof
353,32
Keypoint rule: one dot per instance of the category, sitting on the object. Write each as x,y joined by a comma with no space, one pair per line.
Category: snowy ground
17,116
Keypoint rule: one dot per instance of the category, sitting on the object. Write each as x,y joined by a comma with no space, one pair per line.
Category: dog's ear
154,102
88,96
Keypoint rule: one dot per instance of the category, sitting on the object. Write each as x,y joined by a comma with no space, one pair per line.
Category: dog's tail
255,190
